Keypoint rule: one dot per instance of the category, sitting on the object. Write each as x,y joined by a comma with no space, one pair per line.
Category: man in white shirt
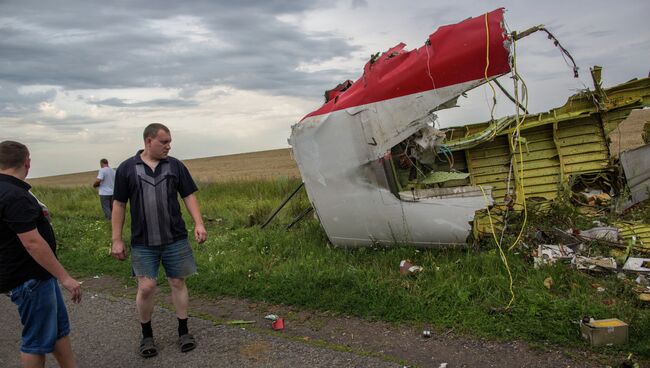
105,181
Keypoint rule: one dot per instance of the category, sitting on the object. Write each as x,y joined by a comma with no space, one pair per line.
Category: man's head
157,141
14,157
103,162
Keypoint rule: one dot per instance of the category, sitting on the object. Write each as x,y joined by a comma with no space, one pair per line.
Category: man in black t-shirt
151,181
29,268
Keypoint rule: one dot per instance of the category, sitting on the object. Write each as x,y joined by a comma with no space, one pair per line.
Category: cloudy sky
79,80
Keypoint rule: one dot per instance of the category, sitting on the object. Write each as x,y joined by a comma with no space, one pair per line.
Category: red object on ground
278,324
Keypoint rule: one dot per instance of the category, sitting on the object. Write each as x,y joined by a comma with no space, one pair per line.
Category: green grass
461,289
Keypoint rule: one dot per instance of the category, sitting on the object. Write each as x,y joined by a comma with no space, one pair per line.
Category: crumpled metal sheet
636,167
340,148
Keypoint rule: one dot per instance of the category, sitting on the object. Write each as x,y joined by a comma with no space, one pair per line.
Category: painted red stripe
456,54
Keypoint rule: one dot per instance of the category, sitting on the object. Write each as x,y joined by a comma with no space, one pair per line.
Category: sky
79,80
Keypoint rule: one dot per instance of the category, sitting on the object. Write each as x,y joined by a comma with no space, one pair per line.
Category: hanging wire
504,259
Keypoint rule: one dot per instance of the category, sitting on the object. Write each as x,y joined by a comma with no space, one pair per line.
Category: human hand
74,287
200,234
118,250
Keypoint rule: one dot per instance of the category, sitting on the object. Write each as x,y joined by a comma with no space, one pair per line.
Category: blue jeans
42,313
177,260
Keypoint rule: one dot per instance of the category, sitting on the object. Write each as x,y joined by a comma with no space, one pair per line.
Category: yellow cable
487,65
501,253
518,133
487,204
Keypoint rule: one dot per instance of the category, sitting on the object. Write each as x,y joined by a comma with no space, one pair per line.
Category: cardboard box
605,332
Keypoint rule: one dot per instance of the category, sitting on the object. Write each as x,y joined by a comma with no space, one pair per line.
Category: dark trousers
107,205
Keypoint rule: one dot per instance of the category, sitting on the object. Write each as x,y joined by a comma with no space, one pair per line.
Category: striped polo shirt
156,218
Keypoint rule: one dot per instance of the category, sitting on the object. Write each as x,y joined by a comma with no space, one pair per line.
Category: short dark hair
12,155
152,130
103,161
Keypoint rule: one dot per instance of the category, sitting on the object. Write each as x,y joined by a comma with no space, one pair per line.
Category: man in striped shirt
151,181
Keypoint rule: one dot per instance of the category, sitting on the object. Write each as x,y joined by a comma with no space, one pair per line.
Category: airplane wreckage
377,171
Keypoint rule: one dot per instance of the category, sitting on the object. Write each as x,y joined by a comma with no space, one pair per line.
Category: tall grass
460,289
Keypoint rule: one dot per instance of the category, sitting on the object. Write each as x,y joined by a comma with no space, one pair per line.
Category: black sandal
148,347
186,343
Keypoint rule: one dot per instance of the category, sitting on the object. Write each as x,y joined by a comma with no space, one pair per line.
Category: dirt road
105,334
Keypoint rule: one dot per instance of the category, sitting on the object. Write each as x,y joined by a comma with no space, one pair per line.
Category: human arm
41,252
98,179
118,250
192,205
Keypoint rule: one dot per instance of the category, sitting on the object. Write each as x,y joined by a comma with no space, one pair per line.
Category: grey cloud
95,45
13,103
359,4
117,102
71,123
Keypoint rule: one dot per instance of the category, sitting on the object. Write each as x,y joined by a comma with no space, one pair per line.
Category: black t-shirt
155,211
20,212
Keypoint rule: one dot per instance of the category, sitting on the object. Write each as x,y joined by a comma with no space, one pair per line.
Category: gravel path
104,334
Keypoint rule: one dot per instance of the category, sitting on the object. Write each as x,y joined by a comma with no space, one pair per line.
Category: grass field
464,290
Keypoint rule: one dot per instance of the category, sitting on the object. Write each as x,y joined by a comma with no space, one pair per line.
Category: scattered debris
550,253
239,322
636,167
606,233
548,282
595,264
604,332
278,324
593,197
378,171
426,334
407,268
598,287
630,362
637,265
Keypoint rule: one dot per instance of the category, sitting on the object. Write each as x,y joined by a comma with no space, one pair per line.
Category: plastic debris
598,287
605,233
595,264
407,268
278,324
548,282
426,334
637,265
271,317
550,253
596,197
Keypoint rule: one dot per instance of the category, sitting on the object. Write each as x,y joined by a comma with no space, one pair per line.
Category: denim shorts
176,258
42,313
